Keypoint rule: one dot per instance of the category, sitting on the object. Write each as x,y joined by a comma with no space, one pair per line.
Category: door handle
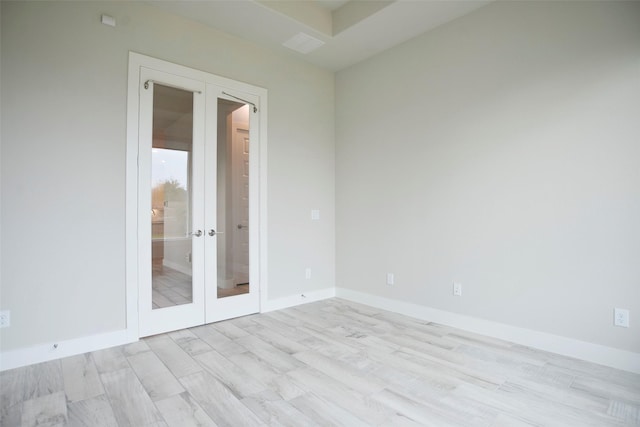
240,226
197,233
213,232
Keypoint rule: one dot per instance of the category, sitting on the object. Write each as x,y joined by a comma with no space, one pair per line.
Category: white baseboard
608,356
56,350
175,266
297,299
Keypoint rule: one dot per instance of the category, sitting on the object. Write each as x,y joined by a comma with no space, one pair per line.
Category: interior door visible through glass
232,199
171,197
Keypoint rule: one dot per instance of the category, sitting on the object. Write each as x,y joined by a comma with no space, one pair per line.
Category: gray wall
64,83
502,151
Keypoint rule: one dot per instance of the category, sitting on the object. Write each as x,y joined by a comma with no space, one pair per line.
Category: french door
197,200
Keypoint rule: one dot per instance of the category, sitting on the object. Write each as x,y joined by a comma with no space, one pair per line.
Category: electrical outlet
307,273
5,319
621,317
390,279
457,289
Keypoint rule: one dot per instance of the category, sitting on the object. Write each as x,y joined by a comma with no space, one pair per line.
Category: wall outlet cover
621,317
390,279
457,289
5,318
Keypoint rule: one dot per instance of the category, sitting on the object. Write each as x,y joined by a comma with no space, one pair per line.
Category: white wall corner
56,350
297,299
608,356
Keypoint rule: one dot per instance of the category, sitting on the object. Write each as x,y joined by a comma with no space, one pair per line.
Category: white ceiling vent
303,43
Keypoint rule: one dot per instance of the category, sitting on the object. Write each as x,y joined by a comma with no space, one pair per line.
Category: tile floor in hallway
171,287
326,363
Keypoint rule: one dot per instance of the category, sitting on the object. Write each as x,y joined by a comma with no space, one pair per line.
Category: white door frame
258,197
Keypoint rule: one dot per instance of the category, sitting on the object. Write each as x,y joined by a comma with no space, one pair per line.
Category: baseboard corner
297,299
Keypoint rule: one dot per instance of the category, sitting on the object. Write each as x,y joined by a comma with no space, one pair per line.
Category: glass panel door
171,206
232,277
198,210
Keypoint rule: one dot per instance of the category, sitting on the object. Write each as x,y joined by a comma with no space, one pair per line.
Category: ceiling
345,31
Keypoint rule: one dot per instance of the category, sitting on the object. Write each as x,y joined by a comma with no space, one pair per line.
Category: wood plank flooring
321,364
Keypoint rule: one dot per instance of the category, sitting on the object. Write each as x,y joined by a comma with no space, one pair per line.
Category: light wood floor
326,363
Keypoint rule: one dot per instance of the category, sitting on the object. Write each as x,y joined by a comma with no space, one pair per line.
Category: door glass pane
233,198
171,241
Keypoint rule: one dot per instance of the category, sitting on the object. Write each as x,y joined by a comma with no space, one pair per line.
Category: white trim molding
297,299
56,350
608,356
